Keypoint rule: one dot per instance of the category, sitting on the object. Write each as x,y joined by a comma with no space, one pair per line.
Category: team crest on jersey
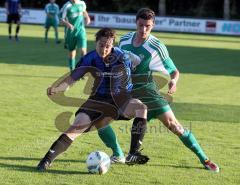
110,59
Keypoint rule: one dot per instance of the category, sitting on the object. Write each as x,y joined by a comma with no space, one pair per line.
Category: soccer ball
98,162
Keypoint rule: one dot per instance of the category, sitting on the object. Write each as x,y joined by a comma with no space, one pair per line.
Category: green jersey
154,57
52,11
153,54
73,13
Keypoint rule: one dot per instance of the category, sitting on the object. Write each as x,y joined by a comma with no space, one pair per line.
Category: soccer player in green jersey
155,57
73,18
52,11
65,29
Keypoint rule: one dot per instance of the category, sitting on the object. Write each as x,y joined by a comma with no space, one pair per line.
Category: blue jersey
13,6
112,76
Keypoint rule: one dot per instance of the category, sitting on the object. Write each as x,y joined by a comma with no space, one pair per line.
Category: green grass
207,102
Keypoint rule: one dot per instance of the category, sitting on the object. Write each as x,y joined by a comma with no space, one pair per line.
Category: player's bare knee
82,117
174,127
141,111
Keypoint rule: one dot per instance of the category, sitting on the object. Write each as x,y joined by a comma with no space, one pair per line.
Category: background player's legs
10,31
83,51
46,34
80,124
82,44
57,41
17,30
71,59
187,138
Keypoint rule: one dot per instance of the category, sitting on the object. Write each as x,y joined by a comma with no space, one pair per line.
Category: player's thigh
55,24
47,24
81,122
16,18
71,42
132,107
169,120
103,122
82,40
9,19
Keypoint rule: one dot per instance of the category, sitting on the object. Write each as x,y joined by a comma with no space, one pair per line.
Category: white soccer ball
98,162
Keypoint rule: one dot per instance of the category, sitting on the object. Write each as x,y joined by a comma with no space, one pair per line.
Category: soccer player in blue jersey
13,10
155,58
110,98
52,19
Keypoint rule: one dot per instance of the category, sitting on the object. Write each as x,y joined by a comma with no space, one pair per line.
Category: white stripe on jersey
68,5
128,37
64,11
156,63
161,48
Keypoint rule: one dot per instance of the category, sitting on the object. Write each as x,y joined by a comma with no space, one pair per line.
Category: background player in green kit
155,57
52,11
73,18
65,28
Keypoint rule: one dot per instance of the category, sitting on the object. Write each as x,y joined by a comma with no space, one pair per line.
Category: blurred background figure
13,10
73,16
52,11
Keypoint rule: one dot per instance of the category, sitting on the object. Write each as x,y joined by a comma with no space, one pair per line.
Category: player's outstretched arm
87,18
172,84
67,24
61,87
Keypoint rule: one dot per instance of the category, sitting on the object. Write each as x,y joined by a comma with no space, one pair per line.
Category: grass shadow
177,166
196,60
26,168
33,169
38,159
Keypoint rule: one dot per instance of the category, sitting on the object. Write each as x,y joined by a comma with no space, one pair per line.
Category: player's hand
172,86
71,27
51,91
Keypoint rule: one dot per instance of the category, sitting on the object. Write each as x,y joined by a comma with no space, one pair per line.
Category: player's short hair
105,32
146,14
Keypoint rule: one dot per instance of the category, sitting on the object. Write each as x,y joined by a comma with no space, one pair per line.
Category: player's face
144,28
52,1
104,46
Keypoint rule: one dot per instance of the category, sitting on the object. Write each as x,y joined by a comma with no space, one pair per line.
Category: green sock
71,62
56,36
109,138
190,141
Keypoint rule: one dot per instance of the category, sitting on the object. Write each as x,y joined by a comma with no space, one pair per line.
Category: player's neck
138,41
74,1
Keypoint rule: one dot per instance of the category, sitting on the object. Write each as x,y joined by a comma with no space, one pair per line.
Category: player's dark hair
146,14
105,32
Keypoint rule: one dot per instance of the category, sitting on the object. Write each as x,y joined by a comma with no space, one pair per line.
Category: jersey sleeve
64,10
46,9
135,60
161,61
84,6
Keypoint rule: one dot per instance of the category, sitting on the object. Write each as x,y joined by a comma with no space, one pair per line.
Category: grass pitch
207,102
